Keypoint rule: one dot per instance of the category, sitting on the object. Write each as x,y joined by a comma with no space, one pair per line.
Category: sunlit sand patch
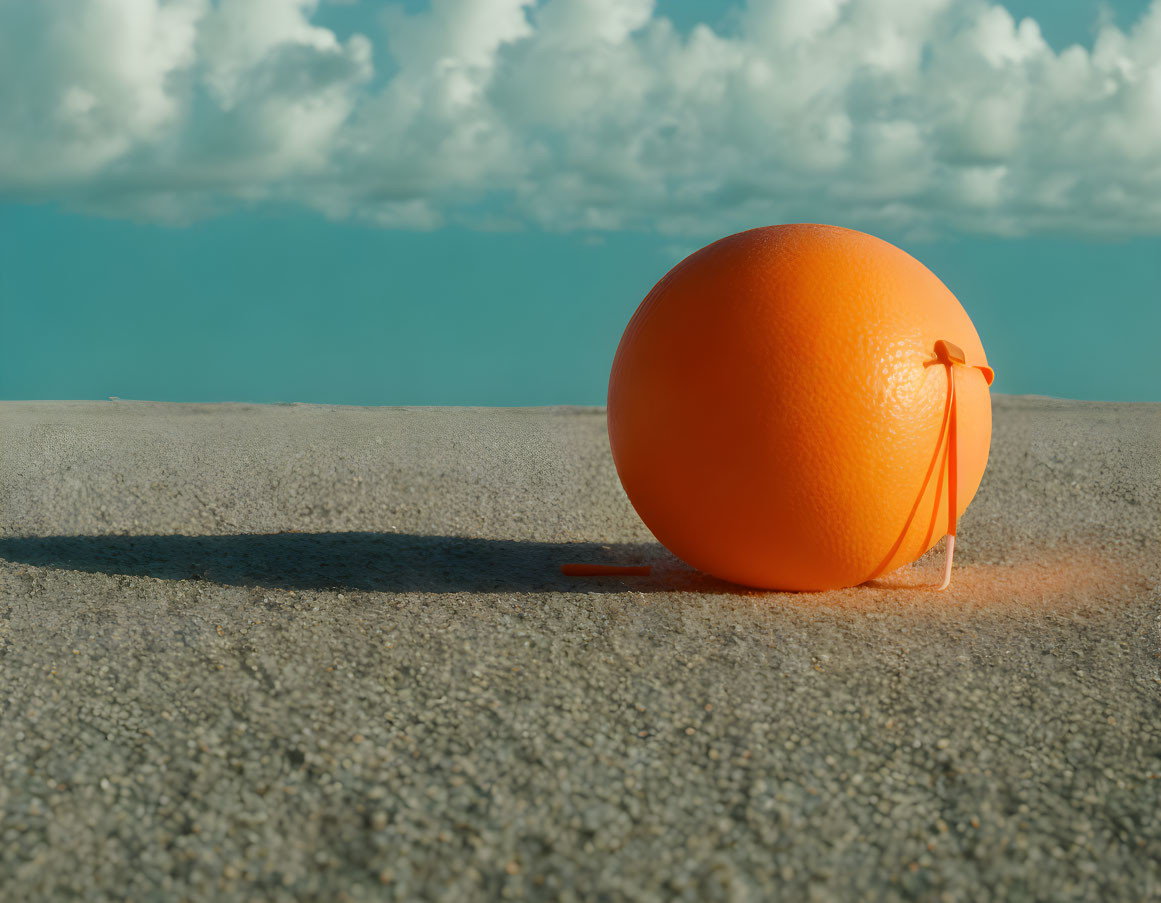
1061,580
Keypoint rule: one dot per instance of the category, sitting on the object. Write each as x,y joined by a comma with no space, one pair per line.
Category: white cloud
596,114
82,85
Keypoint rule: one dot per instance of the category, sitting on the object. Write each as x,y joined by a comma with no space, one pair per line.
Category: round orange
777,413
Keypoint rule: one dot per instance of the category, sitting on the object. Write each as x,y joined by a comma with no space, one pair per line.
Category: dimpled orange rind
774,415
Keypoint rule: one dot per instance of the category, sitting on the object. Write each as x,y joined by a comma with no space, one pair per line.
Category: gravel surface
325,653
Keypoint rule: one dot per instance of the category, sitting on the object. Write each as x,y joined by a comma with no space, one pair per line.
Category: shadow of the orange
402,563
387,562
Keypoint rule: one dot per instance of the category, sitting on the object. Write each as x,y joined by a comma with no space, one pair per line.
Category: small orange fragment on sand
512,868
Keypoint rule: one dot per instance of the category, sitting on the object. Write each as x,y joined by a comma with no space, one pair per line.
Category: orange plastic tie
606,570
950,354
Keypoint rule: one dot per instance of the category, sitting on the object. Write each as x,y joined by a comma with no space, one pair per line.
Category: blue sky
343,203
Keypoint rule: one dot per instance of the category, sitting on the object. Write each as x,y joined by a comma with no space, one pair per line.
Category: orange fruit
780,417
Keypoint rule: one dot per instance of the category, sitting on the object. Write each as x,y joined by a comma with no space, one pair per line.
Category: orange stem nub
605,570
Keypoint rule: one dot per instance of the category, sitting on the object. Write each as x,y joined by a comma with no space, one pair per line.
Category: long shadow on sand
383,562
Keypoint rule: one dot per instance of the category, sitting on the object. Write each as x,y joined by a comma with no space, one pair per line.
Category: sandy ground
324,653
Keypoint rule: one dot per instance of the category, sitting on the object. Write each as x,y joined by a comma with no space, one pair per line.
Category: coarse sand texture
800,407
298,652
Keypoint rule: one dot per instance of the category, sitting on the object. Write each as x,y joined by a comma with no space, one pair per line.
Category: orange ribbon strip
949,355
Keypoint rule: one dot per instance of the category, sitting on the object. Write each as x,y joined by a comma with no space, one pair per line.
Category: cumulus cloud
921,115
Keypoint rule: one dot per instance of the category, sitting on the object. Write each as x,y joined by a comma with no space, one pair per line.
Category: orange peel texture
794,408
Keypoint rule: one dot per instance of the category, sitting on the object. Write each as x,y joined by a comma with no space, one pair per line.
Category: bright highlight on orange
795,407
